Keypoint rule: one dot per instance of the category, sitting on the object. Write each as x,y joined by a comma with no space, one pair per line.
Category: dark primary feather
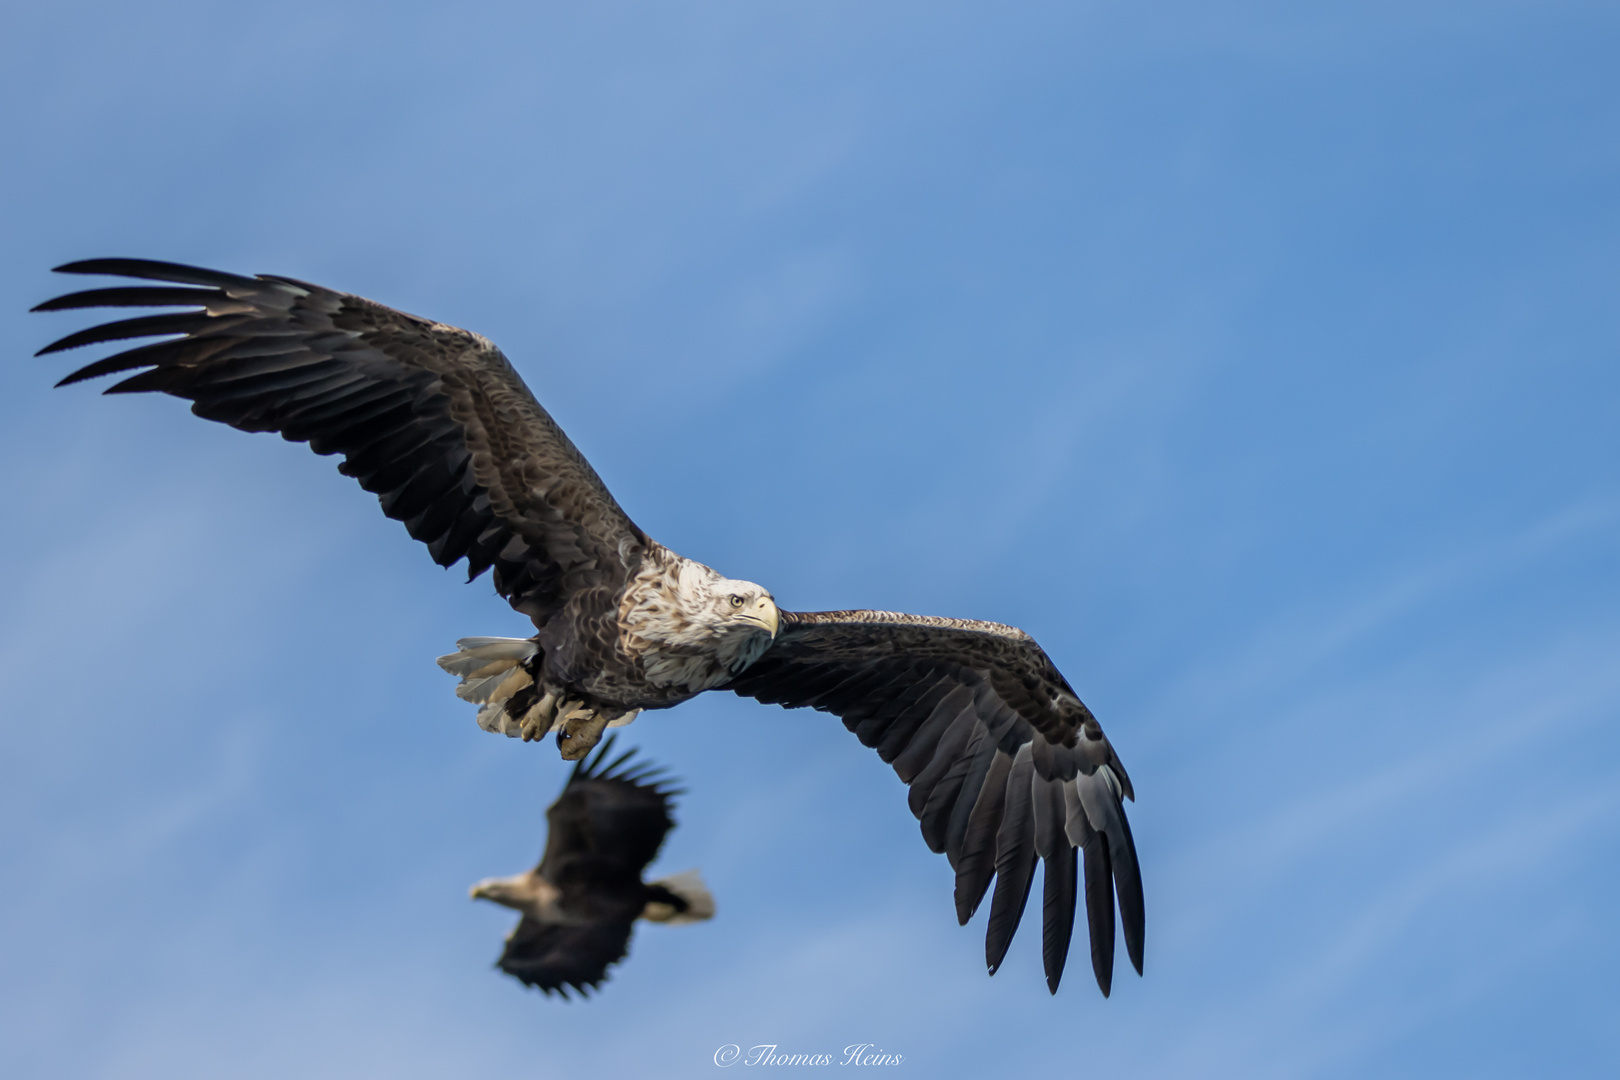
430,418
1015,862
1105,816
1057,856
1006,766
1100,909
976,862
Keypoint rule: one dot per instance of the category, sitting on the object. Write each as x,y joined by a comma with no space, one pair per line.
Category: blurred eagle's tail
688,900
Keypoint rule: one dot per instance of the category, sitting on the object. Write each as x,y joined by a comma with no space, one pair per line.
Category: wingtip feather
155,270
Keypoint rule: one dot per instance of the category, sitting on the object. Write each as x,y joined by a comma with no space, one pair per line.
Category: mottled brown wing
430,418
1004,762
554,957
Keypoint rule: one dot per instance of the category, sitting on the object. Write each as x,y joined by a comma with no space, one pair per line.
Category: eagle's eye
736,600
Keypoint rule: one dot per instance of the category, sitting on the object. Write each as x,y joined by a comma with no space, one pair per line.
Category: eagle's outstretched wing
554,957
431,418
603,831
1004,763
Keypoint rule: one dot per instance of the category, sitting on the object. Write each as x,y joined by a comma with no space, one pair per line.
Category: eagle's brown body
1005,764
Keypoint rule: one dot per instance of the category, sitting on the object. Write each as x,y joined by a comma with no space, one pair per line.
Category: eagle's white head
738,617
529,893
696,628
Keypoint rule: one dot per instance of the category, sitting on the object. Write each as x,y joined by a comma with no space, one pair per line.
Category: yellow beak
765,611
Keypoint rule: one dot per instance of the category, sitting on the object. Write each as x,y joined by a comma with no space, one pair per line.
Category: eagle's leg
577,721
540,717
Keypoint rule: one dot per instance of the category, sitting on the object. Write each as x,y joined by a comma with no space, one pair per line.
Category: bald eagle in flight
1004,763
583,899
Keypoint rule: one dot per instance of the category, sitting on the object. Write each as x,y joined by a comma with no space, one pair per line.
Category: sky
1260,359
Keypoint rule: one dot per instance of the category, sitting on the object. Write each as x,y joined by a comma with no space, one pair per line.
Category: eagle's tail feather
474,653
689,888
492,669
498,674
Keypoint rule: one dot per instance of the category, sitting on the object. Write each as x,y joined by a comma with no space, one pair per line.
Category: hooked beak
766,614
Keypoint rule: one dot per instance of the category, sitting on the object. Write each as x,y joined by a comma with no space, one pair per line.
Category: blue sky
1259,358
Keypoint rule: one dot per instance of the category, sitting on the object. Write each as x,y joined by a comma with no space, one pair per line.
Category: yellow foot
538,720
580,731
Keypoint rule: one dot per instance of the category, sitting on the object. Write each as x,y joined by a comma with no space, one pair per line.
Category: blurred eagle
580,904
1005,765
